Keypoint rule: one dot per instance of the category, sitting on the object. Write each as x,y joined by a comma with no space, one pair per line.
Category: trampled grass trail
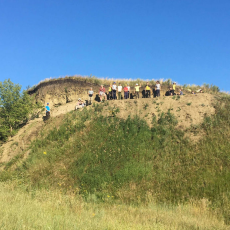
53,210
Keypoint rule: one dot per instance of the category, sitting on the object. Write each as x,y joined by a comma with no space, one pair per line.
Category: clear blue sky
185,40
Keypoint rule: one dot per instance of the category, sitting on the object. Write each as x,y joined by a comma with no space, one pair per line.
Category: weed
188,104
146,106
178,109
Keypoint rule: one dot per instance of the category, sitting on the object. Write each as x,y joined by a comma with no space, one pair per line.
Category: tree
15,108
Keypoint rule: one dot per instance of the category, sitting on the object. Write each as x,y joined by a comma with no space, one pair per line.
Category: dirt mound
188,109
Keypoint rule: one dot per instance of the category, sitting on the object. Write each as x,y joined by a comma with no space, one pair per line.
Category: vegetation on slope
123,159
15,108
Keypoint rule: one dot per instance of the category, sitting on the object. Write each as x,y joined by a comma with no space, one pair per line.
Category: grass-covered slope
97,156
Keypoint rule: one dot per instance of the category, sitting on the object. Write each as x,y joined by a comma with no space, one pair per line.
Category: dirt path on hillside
188,109
20,142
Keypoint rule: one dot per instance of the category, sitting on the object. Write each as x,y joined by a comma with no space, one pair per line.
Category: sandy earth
188,109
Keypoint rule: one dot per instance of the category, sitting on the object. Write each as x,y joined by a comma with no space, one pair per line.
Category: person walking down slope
137,90
102,93
126,93
119,89
47,111
90,95
158,88
147,90
114,90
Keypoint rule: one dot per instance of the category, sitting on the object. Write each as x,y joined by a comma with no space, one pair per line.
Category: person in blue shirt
47,110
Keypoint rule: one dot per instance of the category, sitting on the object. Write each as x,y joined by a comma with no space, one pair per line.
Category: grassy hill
109,155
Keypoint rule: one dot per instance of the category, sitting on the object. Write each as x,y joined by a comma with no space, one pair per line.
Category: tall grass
101,157
50,209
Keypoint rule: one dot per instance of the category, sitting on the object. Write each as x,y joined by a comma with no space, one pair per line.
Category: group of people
115,91
171,90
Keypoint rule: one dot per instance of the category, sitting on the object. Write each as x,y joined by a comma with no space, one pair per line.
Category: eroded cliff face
60,92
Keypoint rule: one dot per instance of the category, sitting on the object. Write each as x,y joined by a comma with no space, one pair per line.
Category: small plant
178,97
15,143
162,103
98,108
178,109
188,104
135,102
106,103
173,97
203,105
154,102
146,106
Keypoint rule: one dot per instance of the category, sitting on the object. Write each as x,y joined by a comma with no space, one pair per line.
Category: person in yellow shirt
174,88
137,90
110,92
147,90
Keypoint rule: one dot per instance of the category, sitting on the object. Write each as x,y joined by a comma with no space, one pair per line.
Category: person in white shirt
119,89
114,89
80,104
158,88
90,95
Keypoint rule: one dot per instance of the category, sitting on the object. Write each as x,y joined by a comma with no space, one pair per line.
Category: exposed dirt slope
188,109
20,142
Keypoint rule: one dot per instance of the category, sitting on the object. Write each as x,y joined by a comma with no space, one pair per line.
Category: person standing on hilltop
102,93
158,88
137,90
147,90
114,88
47,111
110,92
128,89
174,88
90,95
126,92
119,89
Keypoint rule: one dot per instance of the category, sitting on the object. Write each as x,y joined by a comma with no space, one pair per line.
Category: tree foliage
15,108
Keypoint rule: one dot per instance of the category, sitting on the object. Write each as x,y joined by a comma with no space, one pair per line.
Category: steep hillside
168,150
188,110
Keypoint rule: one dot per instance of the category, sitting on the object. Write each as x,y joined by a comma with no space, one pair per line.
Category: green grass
51,209
125,159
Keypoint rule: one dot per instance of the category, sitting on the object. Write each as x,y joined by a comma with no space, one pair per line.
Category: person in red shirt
102,93
126,91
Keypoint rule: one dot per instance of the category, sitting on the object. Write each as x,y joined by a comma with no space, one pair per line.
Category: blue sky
185,40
